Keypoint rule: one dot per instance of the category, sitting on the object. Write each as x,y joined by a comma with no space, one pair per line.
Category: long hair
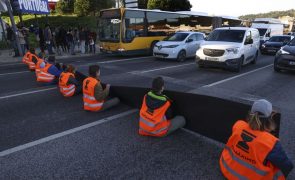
259,123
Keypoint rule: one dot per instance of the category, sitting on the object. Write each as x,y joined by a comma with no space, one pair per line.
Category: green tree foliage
272,14
65,6
88,7
170,5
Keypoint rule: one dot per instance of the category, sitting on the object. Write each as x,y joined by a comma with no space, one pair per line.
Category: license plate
292,63
271,50
211,59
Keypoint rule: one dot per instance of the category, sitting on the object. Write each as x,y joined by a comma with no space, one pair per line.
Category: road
45,136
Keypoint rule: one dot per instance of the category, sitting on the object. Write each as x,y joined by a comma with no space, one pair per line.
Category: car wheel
239,66
181,56
255,59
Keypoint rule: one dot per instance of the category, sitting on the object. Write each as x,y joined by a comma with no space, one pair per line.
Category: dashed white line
238,76
19,72
65,133
26,93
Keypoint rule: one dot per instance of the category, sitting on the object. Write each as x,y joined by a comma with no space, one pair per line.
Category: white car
180,46
230,48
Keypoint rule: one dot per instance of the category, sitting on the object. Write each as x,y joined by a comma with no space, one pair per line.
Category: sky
240,7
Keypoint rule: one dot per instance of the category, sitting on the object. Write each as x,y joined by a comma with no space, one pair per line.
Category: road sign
131,3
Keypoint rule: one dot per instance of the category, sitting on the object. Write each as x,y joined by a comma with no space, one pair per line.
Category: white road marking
65,133
26,93
19,72
158,69
12,64
240,75
115,61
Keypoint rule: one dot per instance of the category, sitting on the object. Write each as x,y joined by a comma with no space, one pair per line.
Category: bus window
110,26
133,25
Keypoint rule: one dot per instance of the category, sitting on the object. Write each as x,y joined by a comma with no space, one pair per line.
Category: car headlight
233,50
263,46
171,46
282,51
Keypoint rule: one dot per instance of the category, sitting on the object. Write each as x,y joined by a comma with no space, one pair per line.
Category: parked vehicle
229,48
274,44
285,58
267,28
179,46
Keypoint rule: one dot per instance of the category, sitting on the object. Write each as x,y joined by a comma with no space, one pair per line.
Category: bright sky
241,7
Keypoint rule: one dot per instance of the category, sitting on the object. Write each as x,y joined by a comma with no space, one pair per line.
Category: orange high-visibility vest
153,123
26,57
67,90
37,68
245,152
30,62
90,103
44,76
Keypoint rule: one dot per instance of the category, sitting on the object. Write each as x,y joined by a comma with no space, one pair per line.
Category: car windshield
283,39
227,35
177,37
292,43
262,32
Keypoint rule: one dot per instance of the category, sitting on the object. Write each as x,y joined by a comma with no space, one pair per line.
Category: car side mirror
250,41
189,40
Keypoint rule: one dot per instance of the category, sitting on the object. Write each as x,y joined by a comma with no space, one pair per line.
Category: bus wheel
151,51
181,56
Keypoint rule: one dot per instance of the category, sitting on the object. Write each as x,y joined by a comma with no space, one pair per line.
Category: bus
129,31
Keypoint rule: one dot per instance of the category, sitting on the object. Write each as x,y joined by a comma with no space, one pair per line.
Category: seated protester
68,84
48,73
156,117
32,59
252,152
94,96
26,57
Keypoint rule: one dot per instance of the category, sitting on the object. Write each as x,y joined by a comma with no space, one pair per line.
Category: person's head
32,50
158,85
71,69
261,116
94,71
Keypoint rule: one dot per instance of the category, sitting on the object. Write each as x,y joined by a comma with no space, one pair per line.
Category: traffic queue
252,151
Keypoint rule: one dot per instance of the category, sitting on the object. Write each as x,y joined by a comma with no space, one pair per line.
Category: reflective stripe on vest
66,90
150,124
234,173
244,163
90,103
154,132
44,76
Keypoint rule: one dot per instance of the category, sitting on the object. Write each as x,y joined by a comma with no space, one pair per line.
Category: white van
229,48
267,28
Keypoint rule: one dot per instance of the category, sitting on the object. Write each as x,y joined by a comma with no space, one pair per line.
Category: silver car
180,46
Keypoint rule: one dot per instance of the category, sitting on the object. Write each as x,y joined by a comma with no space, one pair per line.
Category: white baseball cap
262,106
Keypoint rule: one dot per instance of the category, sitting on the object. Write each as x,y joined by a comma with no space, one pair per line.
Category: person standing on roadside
48,38
82,37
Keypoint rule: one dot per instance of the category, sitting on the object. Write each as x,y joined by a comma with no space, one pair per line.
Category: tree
65,6
170,5
82,7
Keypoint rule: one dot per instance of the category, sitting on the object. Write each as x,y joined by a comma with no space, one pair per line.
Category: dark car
285,58
274,44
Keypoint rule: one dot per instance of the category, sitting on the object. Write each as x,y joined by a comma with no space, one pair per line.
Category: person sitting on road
252,152
68,84
49,73
94,96
156,116
31,59
26,57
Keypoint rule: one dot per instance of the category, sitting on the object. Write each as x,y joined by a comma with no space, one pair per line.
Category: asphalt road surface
45,136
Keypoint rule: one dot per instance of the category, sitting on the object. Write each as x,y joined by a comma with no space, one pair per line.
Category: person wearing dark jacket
156,114
252,151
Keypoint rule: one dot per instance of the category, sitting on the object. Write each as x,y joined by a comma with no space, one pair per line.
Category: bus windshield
227,35
110,26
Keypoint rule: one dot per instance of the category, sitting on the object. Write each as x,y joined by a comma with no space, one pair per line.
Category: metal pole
13,27
3,28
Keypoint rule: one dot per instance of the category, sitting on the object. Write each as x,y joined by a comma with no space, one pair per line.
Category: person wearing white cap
252,152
